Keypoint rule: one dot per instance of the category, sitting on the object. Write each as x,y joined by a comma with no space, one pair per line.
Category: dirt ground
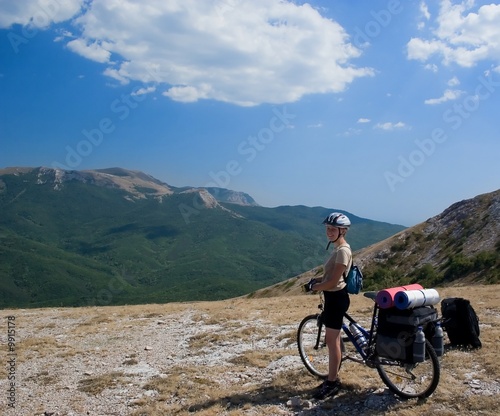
233,357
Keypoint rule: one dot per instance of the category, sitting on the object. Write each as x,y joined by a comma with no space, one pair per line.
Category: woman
336,297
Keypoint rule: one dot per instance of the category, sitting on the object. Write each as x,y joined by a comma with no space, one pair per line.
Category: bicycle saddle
370,295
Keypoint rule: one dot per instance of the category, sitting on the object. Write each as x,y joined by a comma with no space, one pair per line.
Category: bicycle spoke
401,375
411,380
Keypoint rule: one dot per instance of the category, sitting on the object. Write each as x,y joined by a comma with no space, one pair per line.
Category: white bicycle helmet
336,219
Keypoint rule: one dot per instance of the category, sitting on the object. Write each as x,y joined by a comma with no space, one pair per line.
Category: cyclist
336,297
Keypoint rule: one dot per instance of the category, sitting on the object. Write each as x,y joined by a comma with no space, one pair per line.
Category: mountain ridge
68,236
137,183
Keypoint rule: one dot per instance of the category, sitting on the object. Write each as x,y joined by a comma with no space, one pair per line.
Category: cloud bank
461,36
235,51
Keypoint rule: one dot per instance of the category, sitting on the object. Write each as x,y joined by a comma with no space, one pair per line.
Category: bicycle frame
369,335
349,334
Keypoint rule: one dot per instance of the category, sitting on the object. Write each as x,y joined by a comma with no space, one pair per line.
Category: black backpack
460,322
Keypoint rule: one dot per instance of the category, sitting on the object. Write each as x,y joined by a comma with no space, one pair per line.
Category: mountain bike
405,378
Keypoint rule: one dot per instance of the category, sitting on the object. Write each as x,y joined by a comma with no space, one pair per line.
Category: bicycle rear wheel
314,358
411,380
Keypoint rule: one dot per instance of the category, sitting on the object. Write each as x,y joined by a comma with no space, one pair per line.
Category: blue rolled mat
409,299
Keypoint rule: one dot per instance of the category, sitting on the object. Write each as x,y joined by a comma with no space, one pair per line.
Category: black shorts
336,305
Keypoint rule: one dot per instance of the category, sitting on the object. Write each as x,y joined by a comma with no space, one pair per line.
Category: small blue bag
354,280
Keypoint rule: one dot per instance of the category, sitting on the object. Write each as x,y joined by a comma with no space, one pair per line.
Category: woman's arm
331,278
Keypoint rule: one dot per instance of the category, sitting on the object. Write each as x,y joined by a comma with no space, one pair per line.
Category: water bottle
437,339
359,338
419,346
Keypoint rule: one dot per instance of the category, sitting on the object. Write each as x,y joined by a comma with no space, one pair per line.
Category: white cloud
388,126
64,34
453,82
425,11
315,126
236,51
116,74
462,36
37,13
92,51
142,91
187,93
431,67
364,120
447,96
350,132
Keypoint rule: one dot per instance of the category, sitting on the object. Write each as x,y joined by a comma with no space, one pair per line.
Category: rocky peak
475,222
136,184
203,198
232,197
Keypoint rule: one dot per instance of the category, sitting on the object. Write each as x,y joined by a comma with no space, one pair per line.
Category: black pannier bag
396,330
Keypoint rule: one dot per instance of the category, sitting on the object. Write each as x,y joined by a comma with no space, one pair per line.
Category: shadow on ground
350,399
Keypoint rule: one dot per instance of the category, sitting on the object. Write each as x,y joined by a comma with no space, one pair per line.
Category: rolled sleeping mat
385,298
409,299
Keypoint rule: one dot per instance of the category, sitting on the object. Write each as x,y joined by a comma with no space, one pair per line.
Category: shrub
426,274
458,266
485,260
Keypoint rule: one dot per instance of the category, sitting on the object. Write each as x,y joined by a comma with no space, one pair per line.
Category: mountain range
116,236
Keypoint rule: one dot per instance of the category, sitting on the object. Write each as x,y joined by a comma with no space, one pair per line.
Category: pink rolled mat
385,298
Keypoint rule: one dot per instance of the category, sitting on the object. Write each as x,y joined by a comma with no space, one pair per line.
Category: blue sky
386,109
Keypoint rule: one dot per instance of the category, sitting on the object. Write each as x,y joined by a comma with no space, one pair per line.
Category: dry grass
44,378
42,347
96,385
237,357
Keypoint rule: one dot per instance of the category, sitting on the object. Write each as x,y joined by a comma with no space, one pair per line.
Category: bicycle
406,379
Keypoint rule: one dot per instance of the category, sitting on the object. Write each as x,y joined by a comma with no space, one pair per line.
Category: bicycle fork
320,327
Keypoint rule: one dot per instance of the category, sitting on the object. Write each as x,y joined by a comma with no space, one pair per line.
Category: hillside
115,236
459,246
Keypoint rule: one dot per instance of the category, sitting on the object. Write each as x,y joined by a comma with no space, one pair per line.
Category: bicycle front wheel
314,354
411,380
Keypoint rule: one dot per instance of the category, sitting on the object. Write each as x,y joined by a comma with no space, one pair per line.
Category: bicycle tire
315,360
418,380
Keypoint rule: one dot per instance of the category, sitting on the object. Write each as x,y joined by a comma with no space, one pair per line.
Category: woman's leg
334,352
